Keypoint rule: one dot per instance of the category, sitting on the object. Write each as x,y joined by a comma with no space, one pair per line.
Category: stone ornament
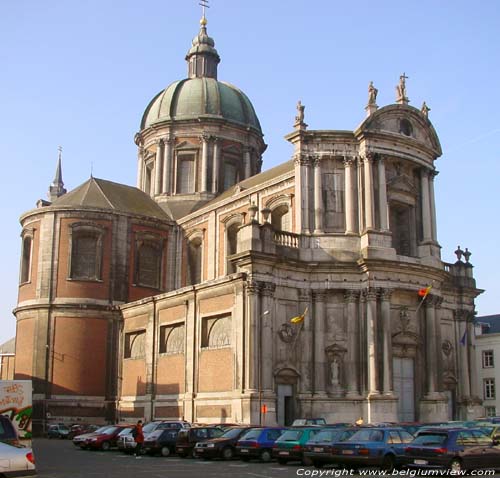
335,354
425,109
287,333
372,94
401,97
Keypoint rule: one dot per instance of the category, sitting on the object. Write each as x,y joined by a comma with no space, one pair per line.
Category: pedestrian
138,438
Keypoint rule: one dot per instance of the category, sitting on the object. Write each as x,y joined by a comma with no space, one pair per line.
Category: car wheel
182,455
165,451
456,465
227,453
318,464
105,446
282,461
388,463
245,458
265,456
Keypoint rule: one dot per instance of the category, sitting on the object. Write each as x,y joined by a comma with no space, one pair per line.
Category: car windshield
165,426
232,433
101,430
368,435
125,431
327,435
291,435
252,434
429,439
109,430
63,427
149,427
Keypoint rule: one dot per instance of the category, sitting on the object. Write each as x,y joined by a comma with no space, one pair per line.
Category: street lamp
266,312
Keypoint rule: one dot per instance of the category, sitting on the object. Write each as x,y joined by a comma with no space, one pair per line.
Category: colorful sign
16,403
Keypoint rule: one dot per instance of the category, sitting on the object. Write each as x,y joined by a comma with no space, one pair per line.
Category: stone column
433,205
318,196
371,341
167,165
426,207
385,311
305,169
350,209
463,373
352,359
267,335
302,203
252,331
368,174
158,164
430,345
247,161
306,352
140,167
204,163
216,166
382,195
319,343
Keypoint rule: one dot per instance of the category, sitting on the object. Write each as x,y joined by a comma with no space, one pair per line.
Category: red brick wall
25,343
170,374
79,356
216,370
134,377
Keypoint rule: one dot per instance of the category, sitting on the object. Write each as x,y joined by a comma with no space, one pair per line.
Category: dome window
405,127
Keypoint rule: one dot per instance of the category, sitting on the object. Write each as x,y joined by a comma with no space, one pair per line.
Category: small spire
56,189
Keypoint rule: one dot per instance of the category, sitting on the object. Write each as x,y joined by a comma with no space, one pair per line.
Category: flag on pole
463,340
299,318
424,292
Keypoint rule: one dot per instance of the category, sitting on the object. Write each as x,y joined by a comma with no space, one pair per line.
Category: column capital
433,301
370,294
305,295
301,159
425,172
204,137
267,289
158,141
349,161
368,157
351,296
315,159
253,286
169,139
462,315
319,295
433,173
385,294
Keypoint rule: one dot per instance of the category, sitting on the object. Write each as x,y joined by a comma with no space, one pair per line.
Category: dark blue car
383,447
258,443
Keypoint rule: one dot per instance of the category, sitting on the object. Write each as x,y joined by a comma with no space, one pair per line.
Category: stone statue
467,255
335,370
299,119
372,94
401,90
459,253
425,109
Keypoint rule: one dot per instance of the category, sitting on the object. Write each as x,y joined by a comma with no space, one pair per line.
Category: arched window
135,344
216,332
172,339
148,262
231,245
194,260
402,228
26,259
280,218
86,251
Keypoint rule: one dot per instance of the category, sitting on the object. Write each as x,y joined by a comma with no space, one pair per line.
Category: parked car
16,460
318,450
161,441
455,449
258,443
126,441
189,437
371,446
491,429
80,429
79,440
106,439
308,421
290,445
8,433
221,447
58,430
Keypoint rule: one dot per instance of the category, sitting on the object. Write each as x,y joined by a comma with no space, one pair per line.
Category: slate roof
493,322
8,347
102,194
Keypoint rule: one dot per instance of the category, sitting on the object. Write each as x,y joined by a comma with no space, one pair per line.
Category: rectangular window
333,200
135,345
488,360
185,174
229,174
489,388
490,411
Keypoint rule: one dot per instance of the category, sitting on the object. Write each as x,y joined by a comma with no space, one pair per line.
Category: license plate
420,462
243,450
318,450
284,453
347,452
199,450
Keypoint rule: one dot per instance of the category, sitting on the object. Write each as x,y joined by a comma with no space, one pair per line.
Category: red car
106,439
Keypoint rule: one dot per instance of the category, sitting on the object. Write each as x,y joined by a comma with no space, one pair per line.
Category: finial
299,119
371,107
204,4
459,253
401,97
56,189
425,109
467,255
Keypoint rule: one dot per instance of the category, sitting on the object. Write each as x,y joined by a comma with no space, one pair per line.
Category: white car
16,460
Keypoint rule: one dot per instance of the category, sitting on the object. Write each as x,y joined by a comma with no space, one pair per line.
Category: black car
188,438
318,450
8,433
161,441
452,448
222,447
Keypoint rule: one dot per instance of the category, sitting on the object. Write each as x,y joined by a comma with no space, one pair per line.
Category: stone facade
195,275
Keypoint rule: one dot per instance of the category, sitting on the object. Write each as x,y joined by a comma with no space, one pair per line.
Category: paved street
61,459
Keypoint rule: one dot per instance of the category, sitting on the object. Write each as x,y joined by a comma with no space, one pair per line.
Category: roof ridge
104,194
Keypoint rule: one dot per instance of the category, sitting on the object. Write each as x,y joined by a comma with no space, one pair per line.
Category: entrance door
285,405
404,387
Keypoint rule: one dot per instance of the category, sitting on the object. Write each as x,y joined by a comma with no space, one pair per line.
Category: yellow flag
299,318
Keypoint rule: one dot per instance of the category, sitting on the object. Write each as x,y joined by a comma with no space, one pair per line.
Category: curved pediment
403,123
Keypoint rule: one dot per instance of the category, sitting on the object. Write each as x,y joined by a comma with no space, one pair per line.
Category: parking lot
61,459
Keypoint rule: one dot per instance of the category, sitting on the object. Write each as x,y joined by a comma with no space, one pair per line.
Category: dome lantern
202,57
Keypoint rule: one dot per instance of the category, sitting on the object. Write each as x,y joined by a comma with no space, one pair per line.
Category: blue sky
80,74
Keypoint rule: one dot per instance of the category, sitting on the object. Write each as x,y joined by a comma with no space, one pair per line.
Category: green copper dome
197,98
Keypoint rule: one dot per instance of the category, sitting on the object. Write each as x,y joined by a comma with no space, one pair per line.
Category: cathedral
215,292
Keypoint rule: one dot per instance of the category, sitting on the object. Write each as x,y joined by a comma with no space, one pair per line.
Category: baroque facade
182,288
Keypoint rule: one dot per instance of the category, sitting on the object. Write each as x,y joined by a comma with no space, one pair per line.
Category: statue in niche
448,368
335,355
335,370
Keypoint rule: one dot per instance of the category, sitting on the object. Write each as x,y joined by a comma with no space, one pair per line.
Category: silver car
16,460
